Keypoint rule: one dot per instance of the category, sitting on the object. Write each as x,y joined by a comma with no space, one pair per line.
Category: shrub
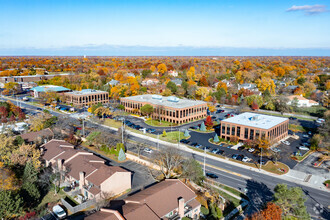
204,210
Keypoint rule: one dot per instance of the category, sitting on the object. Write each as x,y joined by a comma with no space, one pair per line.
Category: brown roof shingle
162,198
55,147
33,136
134,211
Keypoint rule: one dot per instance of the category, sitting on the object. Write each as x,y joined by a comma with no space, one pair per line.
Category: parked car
229,146
262,162
25,99
206,148
215,151
276,150
212,175
198,145
151,130
240,157
286,142
194,127
234,156
220,152
305,135
246,159
213,117
320,121
193,144
303,148
290,132
147,150
59,212
251,150
240,148
292,118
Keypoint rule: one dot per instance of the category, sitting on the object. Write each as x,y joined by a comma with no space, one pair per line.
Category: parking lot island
170,109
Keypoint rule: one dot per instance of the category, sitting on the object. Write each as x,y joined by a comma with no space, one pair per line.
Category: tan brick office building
32,78
171,109
250,126
86,97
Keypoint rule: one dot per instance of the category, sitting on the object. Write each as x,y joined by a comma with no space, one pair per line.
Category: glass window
228,130
251,134
238,131
246,133
233,130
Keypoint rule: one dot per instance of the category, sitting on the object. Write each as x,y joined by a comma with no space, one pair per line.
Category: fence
77,208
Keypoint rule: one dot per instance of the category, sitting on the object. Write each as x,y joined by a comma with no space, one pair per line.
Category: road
260,186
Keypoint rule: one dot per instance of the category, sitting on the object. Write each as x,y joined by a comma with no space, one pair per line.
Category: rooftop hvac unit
159,97
173,99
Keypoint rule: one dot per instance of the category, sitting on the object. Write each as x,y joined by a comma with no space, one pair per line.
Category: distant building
170,199
173,73
48,88
86,172
130,75
86,97
250,126
301,101
32,78
149,82
113,82
171,109
177,82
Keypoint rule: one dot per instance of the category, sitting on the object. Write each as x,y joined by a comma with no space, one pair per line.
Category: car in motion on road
147,150
211,175
303,147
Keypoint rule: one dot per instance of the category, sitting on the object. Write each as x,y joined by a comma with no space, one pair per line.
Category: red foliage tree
254,106
209,122
271,212
4,120
21,116
3,111
12,118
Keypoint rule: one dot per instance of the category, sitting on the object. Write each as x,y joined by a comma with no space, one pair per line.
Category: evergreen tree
30,191
121,156
291,201
10,204
186,133
216,138
202,127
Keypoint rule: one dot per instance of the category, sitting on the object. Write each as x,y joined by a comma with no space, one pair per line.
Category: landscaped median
301,158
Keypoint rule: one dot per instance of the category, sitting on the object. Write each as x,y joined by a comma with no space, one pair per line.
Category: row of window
251,134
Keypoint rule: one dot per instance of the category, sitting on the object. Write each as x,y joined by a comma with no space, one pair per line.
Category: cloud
309,9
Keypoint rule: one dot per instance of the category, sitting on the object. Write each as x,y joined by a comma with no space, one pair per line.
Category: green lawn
286,116
51,198
158,123
112,123
296,128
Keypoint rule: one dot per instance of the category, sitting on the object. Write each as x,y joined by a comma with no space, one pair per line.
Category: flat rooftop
50,88
170,101
86,92
256,120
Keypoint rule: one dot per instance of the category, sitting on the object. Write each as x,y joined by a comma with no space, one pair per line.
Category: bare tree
169,160
139,147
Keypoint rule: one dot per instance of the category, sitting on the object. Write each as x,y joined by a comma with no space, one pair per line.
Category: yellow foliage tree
162,68
8,179
266,83
191,74
202,92
222,85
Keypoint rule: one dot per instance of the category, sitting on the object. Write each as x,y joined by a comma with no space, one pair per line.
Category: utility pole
158,141
260,158
204,159
179,138
83,121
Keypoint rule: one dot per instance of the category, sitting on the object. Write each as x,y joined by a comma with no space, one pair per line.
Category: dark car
241,148
151,130
138,127
213,117
290,132
292,118
234,156
206,148
194,127
222,144
263,162
185,141
220,152
198,145
39,109
240,157
212,175
193,144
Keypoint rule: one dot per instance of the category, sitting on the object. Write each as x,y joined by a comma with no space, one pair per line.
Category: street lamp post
260,158
204,159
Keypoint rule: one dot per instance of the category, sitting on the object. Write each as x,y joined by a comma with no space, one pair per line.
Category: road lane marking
221,174
226,171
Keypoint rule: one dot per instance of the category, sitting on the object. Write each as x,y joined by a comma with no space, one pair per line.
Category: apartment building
86,97
250,126
170,109
170,199
88,173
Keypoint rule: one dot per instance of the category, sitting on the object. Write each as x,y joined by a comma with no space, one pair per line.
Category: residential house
149,82
249,86
301,101
42,136
113,82
173,73
170,199
177,81
93,178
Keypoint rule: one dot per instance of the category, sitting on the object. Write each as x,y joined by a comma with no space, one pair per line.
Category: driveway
307,166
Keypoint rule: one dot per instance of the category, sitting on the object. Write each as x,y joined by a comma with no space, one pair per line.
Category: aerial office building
86,97
170,109
250,126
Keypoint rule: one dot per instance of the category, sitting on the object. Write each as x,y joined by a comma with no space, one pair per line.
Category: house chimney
81,179
59,164
181,207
